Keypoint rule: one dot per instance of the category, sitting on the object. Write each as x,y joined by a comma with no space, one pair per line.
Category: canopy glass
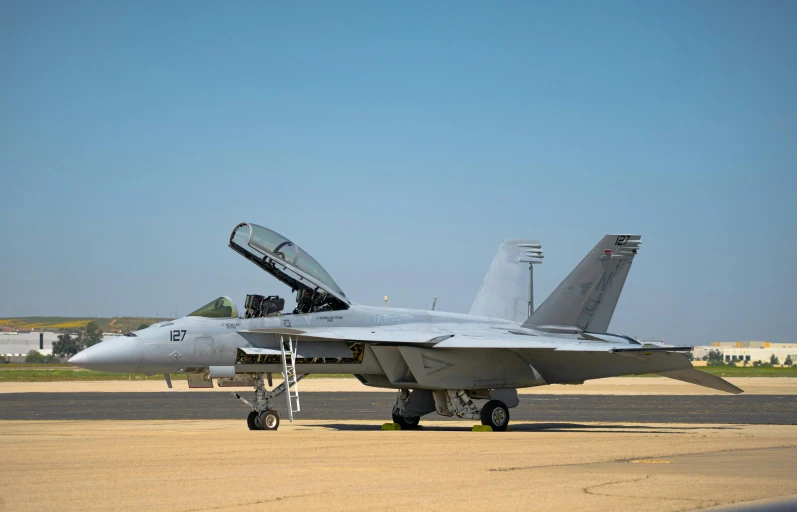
222,307
262,242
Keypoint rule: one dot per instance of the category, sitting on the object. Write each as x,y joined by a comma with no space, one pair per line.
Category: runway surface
741,409
334,465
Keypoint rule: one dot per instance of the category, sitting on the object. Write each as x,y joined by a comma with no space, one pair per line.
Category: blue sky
399,144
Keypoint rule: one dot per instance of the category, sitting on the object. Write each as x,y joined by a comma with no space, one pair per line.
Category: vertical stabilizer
505,291
586,299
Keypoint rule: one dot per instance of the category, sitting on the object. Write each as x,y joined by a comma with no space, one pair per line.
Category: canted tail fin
586,299
505,290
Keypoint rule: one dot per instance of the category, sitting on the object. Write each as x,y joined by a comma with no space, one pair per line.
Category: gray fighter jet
464,365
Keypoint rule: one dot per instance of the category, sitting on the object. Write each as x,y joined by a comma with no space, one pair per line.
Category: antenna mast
532,254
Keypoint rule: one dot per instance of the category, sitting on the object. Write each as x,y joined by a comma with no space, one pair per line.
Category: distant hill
56,323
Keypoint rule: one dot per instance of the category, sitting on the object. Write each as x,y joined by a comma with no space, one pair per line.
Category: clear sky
398,144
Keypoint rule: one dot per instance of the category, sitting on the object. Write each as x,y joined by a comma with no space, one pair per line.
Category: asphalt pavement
739,409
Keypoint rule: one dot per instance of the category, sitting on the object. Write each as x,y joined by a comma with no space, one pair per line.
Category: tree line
715,358
68,345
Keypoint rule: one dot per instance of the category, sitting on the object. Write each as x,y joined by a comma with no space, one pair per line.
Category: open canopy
283,259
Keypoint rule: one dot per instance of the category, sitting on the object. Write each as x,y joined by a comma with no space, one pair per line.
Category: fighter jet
464,365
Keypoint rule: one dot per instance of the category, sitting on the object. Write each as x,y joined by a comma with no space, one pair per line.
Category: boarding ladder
289,375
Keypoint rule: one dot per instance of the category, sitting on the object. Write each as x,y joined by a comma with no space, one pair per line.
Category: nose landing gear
266,420
250,421
262,416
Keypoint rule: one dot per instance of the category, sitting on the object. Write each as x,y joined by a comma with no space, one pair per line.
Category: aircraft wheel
495,414
250,421
407,423
268,420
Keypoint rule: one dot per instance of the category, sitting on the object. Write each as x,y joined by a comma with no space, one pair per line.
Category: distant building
749,351
15,348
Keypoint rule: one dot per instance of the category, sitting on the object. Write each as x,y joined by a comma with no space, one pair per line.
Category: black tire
250,421
268,420
495,414
407,423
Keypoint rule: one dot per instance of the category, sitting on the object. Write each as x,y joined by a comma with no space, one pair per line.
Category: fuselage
191,344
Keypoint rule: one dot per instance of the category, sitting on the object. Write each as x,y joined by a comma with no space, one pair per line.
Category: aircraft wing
364,334
440,339
550,343
557,359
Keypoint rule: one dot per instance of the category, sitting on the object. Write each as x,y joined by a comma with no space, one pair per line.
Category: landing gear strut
263,416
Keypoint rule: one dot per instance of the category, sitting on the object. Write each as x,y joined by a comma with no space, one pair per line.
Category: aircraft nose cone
120,354
79,359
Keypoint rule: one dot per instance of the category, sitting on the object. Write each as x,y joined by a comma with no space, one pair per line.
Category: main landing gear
495,415
400,417
451,402
263,416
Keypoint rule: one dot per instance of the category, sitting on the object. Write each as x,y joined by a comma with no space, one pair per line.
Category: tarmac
620,446
352,465
727,409
610,386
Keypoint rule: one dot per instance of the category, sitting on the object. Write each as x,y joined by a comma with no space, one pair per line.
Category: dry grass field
123,323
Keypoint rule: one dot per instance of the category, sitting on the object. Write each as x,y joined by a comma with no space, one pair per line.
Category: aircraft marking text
385,319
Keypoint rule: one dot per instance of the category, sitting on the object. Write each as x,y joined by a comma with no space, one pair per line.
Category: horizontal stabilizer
695,376
515,342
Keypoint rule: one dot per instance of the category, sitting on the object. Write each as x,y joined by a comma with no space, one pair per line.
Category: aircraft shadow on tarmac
544,427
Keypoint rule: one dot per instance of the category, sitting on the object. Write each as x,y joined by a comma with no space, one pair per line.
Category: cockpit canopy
287,262
222,307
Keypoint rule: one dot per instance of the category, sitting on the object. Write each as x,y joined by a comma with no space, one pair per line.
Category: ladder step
290,377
